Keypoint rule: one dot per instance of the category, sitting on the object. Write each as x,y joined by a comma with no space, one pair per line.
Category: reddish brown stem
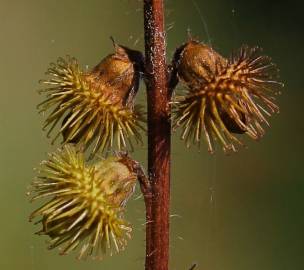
159,129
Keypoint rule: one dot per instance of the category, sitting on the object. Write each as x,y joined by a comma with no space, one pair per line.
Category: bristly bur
95,107
223,96
86,203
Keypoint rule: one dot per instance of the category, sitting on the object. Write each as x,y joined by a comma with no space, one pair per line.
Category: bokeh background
238,212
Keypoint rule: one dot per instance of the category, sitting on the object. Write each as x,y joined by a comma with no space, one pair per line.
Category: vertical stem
159,129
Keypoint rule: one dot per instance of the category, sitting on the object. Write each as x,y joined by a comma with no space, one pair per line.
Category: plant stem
159,133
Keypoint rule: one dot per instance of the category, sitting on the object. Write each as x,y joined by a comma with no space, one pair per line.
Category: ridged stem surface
159,127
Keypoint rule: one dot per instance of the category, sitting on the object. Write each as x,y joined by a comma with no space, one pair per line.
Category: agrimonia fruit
223,96
85,210
97,106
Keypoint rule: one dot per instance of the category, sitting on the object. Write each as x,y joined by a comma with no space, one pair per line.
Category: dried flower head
96,106
223,96
86,205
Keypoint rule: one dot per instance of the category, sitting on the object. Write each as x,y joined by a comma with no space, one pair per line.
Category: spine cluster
223,97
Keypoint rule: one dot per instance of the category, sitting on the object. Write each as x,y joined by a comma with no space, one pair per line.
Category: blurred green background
238,212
